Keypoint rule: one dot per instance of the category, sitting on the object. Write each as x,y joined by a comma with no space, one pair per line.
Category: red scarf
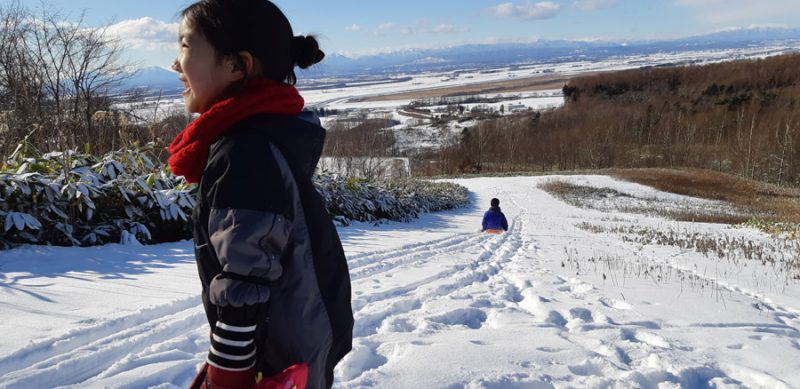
190,148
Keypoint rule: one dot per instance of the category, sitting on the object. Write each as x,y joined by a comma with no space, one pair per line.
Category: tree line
740,117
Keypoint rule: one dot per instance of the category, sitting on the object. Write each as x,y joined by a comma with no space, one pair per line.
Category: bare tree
54,75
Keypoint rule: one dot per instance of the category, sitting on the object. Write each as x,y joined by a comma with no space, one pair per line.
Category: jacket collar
299,138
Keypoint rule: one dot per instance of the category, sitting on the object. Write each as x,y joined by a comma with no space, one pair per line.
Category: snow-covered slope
565,298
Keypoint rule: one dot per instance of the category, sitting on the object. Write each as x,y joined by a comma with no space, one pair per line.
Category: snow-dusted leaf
31,222
147,162
124,193
19,220
9,223
110,171
16,151
118,167
23,168
83,189
143,184
58,211
23,187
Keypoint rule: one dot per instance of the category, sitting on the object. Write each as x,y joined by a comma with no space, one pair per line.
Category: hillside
585,294
740,117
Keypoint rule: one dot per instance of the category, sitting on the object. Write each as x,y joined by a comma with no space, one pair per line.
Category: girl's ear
247,61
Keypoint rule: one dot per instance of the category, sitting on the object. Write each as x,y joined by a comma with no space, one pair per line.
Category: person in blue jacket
494,221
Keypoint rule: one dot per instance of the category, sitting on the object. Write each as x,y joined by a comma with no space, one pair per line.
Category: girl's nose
176,66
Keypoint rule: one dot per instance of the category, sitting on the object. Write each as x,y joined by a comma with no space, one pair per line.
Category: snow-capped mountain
504,54
481,55
153,79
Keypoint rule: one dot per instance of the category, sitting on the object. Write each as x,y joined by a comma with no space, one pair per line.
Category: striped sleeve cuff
232,347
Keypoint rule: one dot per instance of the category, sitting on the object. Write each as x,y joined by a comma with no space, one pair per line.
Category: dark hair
258,27
495,202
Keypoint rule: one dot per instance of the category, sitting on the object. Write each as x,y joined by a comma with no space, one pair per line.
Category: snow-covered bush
71,198
351,199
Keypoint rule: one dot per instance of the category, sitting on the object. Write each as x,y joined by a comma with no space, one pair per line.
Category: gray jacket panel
247,243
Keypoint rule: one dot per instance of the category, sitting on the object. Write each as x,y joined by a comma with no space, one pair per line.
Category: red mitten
217,378
293,377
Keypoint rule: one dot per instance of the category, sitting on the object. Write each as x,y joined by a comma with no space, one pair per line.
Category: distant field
527,84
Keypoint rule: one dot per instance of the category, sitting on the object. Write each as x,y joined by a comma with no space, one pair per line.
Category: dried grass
763,200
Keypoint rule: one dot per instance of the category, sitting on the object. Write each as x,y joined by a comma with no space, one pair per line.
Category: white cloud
353,28
740,11
145,34
527,11
447,29
442,29
761,26
386,26
593,5
435,45
696,3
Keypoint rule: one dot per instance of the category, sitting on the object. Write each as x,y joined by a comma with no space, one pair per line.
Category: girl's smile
204,75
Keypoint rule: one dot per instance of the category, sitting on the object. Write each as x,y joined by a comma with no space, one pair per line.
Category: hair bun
307,51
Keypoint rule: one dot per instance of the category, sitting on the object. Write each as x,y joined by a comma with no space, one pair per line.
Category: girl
276,287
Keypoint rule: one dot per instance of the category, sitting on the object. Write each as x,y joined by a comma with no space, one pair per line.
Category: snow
440,305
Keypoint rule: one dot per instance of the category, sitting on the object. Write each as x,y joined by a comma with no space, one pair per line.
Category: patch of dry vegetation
585,196
754,198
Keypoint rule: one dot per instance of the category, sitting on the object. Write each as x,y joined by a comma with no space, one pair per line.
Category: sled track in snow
373,309
104,349
368,264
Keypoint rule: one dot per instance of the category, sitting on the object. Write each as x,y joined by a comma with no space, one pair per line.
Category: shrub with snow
70,198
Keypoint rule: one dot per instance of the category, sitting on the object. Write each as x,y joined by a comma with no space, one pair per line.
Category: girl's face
204,75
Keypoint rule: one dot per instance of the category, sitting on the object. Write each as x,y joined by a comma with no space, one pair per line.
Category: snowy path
439,305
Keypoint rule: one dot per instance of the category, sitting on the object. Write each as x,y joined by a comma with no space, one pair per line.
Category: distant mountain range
545,51
494,55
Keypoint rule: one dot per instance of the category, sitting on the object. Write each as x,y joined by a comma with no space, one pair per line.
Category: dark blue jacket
271,264
494,219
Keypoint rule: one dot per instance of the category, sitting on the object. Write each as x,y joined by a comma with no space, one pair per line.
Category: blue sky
148,27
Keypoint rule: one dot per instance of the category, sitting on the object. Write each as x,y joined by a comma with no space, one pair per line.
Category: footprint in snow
511,293
582,314
482,303
550,349
588,368
362,358
397,325
615,304
555,318
469,317
645,337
